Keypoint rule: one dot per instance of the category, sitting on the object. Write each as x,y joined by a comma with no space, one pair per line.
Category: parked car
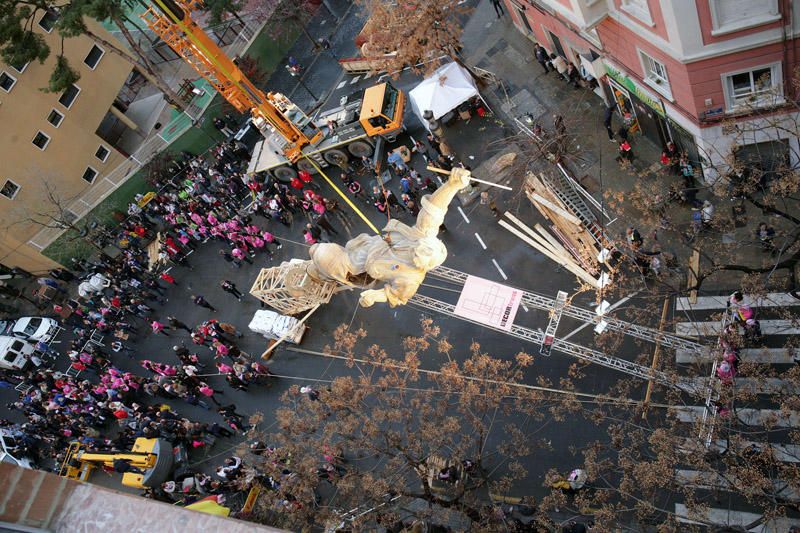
35,328
9,453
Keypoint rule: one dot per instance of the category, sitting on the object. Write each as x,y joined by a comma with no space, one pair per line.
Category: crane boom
171,20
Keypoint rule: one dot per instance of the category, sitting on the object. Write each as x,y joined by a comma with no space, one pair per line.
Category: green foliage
63,76
18,43
217,9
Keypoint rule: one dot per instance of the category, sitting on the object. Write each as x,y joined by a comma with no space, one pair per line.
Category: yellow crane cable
343,196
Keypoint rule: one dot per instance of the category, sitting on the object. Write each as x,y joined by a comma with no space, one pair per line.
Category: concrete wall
72,146
36,499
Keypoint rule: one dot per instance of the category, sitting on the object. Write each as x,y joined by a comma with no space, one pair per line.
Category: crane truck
292,140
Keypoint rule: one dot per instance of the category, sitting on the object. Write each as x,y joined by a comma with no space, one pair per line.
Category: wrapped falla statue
395,262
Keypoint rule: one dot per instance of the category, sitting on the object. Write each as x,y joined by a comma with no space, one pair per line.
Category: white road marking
769,356
341,84
759,385
525,307
773,299
749,417
463,214
355,80
712,329
505,278
728,517
483,245
785,453
714,481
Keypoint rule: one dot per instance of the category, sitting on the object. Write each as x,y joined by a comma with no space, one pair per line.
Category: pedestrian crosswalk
740,519
714,328
780,489
783,453
749,417
757,416
756,385
704,303
768,356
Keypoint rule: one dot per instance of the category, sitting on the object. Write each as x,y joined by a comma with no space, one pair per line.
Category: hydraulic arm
171,20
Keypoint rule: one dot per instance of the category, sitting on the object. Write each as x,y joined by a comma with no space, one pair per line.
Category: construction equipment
155,458
292,141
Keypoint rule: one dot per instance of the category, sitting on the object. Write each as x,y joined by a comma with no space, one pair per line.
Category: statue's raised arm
398,260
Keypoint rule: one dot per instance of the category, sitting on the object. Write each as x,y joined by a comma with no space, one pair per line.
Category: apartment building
706,74
50,144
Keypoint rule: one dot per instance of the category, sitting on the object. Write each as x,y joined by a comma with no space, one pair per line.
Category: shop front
646,114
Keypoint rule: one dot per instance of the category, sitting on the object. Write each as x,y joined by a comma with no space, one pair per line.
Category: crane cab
382,111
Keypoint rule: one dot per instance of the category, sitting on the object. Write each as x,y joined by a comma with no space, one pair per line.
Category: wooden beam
536,197
656,356
546,251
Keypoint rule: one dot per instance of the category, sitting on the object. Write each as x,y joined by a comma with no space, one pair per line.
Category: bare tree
419,34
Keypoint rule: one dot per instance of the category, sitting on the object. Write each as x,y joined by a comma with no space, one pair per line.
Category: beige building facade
49,145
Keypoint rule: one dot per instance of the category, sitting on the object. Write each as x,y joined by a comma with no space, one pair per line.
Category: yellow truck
357,127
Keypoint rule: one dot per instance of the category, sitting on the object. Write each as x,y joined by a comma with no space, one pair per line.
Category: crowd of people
94,402
207,200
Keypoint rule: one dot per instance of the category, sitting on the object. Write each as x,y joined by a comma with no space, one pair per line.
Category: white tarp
273,325
447,88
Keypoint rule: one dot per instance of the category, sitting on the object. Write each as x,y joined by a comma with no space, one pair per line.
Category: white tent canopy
447,88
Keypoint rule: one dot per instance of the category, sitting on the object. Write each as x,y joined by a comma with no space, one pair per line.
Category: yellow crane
292,141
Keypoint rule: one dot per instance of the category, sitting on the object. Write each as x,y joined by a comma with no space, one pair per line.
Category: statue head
429,253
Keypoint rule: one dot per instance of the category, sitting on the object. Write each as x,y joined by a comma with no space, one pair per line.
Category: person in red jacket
305,177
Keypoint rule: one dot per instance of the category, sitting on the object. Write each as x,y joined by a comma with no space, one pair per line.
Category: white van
15,354
35,328
7,448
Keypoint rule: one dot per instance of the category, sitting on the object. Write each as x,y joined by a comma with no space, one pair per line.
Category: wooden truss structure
289,289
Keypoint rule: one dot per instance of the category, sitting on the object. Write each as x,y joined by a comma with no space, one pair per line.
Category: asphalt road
503,259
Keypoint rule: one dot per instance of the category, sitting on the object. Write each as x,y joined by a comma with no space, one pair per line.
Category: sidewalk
498,47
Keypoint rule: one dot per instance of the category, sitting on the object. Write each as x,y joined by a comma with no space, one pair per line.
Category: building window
48,20
734,15
41,140
89,175
102,153
21,67
639,9
9,190
7,81
68,97
758,87
93,57
55,118
655,74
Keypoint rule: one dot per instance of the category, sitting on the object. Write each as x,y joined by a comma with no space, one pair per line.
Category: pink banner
489,303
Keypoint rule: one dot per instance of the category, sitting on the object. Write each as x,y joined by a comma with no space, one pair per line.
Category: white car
8,446
31,328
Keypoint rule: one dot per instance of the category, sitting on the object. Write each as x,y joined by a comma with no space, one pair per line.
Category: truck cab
382,111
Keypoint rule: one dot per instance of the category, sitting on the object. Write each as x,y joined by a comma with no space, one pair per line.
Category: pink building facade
710,75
